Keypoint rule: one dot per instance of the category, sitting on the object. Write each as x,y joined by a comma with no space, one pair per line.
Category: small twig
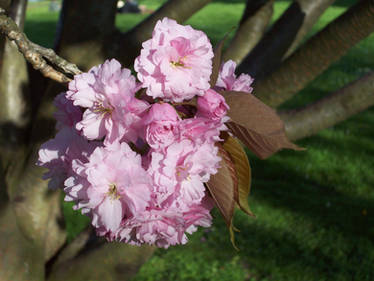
52,57
34,53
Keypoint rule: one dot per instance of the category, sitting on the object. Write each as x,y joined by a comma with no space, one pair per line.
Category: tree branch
9,28
289,29
253,24
130,42
51,56
313,10
338,106
317,54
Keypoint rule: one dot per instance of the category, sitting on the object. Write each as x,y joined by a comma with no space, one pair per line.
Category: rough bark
253,24
313,10
289,29
340,105
129,43
317,54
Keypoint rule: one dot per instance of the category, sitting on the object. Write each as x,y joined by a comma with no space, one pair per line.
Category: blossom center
183,173
100,108
112,192
177,63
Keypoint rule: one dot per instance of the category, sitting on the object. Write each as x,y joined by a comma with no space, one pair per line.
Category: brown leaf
256,124
223,187
243,172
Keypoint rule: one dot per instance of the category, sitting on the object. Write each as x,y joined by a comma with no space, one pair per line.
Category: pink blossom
163,227
176,63
166,226
198,215
228,81
156,197
57,155
161,125
115,185
201,129
182,170
212,105
66,114
107,91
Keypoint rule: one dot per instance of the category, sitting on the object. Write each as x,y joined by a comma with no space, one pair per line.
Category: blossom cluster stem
42,59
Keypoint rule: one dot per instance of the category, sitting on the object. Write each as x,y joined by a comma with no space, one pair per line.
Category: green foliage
75,221
314,208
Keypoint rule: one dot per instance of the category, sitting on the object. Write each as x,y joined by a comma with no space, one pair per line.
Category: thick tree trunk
86,31
328,111
29,231
286,33
14,94
5,4
317,54
20,259
253,24
129,44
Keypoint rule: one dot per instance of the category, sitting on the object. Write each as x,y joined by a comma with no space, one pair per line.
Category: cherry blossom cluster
134,155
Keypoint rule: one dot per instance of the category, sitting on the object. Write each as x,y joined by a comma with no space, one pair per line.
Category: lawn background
314,208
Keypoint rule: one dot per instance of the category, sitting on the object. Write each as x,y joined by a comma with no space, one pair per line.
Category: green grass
314,208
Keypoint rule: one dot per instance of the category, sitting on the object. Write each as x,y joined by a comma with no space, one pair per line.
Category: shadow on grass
341,3
338,228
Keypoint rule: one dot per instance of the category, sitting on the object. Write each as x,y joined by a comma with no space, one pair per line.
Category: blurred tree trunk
330,110
86,30
283,37
29,234
14,82
255,19
317,54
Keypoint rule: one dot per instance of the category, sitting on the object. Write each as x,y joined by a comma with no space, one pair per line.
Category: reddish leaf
223,187
256,124
242,170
